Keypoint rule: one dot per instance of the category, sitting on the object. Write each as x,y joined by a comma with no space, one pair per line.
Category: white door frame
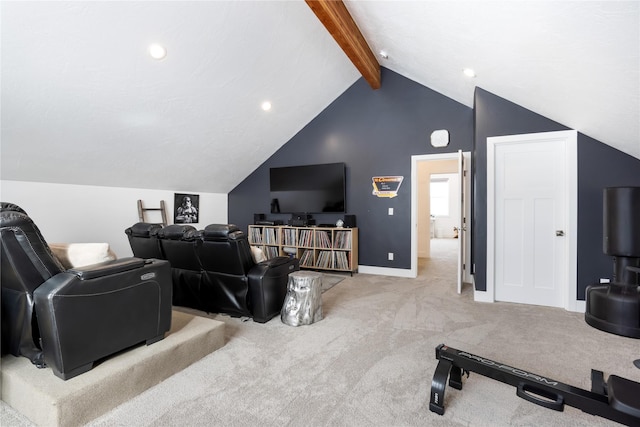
570,138
413,272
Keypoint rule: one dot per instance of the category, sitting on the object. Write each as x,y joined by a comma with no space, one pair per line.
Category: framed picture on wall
186,208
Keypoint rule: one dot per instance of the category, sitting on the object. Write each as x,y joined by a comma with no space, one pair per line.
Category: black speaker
257,218
350,221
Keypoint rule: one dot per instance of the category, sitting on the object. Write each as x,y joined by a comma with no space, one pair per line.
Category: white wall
87,214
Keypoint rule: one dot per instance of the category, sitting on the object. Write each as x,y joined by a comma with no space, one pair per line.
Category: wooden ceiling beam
338,21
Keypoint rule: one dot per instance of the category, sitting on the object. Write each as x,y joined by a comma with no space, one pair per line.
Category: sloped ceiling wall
83,103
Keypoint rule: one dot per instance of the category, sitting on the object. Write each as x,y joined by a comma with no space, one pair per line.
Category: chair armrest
273,267
107,268
268,286
83,319
276,261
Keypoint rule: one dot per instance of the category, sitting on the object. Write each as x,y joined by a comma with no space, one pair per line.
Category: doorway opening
441,210
444,206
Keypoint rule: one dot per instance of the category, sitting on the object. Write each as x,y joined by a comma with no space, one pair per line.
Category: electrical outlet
605,281
390,211
390,256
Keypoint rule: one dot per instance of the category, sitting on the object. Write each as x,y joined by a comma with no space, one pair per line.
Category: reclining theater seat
178,244
68,319
143,238
233,283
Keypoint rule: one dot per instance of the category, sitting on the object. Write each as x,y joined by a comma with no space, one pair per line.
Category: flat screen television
308,189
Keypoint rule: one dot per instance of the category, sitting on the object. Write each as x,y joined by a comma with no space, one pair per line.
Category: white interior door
531,218
461,222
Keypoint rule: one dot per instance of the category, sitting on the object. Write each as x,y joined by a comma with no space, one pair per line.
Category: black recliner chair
143,238
178,243
69,319
233,283
213,270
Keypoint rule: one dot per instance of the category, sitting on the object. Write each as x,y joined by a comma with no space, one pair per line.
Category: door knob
559,233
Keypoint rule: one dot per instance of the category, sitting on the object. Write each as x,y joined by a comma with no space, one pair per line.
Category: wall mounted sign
386,186
186,208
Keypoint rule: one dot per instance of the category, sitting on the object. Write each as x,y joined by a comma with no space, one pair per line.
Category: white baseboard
580,307
482,296
386,271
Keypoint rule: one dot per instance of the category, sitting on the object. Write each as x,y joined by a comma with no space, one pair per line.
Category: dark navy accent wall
374,132
494,116
599,166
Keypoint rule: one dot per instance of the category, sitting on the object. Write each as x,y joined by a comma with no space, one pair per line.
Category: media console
317,248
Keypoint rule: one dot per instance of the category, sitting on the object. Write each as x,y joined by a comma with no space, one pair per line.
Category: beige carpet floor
370,362
45,399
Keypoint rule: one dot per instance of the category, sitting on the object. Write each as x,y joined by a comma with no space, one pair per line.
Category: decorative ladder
142,210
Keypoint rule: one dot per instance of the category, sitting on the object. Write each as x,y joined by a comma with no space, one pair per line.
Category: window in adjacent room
439,191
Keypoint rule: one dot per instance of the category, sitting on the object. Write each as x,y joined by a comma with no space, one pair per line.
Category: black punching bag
615,307
621,227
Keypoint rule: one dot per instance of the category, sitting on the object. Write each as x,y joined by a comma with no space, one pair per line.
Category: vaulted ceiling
83,103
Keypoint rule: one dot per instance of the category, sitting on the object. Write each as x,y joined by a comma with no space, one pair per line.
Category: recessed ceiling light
157,51
266,106
469,72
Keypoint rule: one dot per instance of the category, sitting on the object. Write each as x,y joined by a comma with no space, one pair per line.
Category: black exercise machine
617,399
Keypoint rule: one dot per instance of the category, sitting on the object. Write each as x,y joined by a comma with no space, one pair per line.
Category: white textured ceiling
83,103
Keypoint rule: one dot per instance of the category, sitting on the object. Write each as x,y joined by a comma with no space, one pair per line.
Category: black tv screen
308,189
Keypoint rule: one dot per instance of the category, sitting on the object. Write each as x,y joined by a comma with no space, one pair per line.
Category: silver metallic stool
303,302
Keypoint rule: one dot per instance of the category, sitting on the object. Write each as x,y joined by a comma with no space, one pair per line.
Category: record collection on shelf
321,248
